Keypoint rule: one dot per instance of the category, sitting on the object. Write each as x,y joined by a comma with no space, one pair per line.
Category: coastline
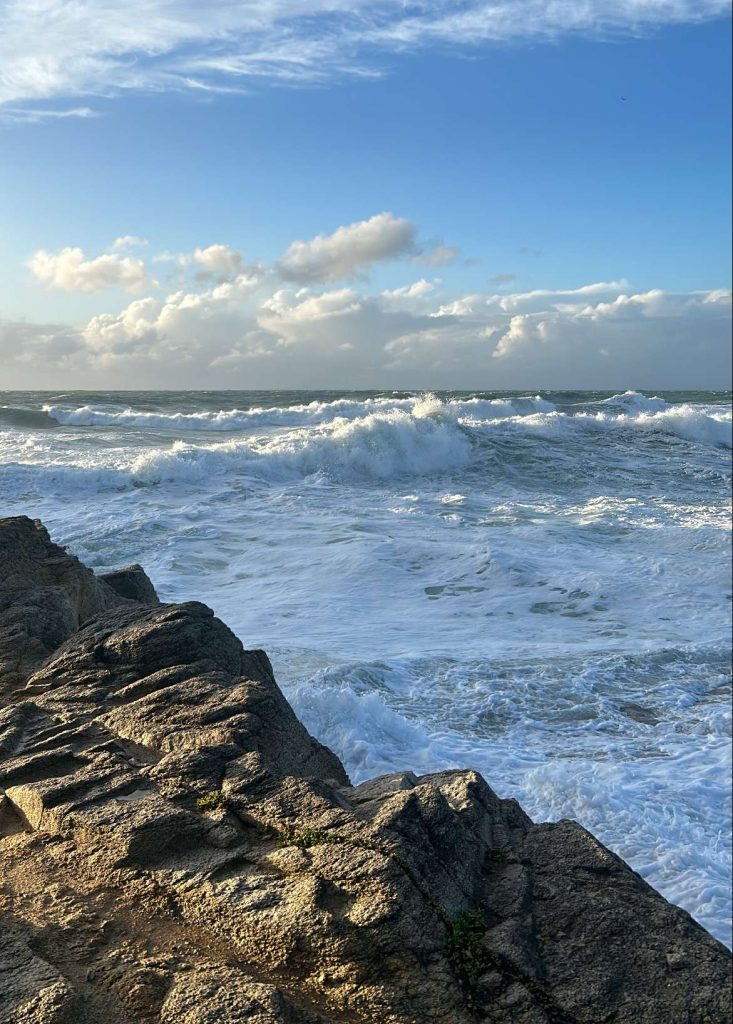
197,853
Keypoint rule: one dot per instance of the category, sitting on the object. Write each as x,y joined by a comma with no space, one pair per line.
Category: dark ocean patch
26,419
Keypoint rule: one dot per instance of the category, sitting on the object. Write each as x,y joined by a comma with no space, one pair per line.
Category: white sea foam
220,420
634,401
689,422
631,410
311,413
655,798
377,446
543,584
685,421
431,436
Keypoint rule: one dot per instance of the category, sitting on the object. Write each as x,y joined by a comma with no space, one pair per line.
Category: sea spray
534,585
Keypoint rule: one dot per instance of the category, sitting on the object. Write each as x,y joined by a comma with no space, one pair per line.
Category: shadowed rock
175,847
132,582
47,594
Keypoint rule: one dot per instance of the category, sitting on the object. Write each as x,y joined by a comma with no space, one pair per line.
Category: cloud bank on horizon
58,52
311,320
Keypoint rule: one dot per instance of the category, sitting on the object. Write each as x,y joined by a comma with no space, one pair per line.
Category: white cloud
125,242
242,333
177,327
55,49
650,335
413,296
228,318
214,260
657,303
348,250
542,299
301,306
464,306
36,115
69,270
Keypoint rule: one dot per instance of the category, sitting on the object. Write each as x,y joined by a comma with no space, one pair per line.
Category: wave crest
378,446
426,405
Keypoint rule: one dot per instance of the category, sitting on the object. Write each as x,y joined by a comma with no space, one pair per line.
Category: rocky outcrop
45,595
176,848
131,582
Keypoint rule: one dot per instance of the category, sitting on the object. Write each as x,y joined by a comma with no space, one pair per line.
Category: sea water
535,586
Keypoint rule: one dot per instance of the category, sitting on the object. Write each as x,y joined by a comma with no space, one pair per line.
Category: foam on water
536,586
634,401
312,413
424,435
637,748
376,446
685,421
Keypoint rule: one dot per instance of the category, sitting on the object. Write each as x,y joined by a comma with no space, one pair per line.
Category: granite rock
175,847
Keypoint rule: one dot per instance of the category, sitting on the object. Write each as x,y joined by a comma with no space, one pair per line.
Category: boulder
131,582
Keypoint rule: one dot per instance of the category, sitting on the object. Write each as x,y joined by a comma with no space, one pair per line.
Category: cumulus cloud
57,50
214,260
465,306
541,299
231,324
287,307
242,333
348,250
415,296
125,242
70,270
173,328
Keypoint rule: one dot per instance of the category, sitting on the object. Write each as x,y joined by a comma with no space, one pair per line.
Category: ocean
534,586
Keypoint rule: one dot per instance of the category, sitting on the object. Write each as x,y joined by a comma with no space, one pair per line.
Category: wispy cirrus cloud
36,115
53,50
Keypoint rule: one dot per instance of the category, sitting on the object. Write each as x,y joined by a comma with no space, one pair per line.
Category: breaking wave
310,414
630,411
374,447
391,439
688,422
534,586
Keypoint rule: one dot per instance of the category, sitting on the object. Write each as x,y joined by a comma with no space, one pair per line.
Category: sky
374,194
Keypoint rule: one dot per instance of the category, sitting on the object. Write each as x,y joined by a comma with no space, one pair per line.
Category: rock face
175,848
132,583
45,595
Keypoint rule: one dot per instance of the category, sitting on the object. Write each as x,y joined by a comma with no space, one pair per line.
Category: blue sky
551,162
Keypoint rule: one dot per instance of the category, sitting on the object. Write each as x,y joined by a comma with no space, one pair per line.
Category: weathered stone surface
31,990
175,847
211,994
46,594
131,582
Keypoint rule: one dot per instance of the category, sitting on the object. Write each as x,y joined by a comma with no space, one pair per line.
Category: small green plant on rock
465,947
212,801
308,838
